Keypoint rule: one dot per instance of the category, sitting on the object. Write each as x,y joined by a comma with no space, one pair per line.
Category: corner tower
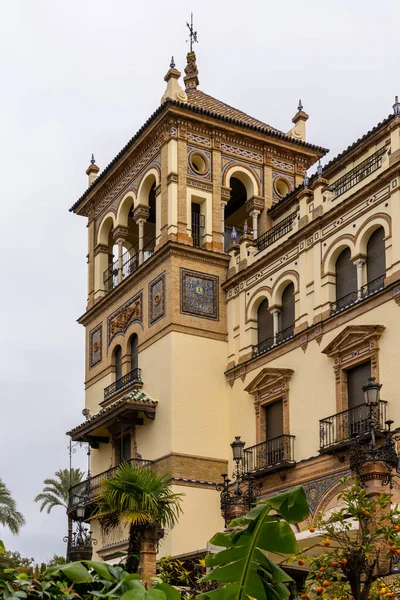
162,217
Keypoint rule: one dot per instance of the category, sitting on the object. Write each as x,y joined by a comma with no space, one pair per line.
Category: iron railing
149,243
338,429
272,454
281,337
87,491
122,383
372,287
276,232
360,172
198,224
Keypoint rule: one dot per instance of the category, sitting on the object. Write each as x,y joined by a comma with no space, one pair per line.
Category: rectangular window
198,222
273,420
357,377
124,448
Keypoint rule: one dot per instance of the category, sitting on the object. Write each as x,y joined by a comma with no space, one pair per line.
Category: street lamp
371,391
237,448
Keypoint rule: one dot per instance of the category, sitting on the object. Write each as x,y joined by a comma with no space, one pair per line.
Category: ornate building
230,294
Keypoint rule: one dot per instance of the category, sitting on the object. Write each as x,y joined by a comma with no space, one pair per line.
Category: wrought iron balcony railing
269,343
276,232
123,383
274,454
86,492
337,430
372,287
360,172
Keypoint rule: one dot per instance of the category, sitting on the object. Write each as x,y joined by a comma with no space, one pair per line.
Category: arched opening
265,327
134,352
149,232
235,211
287,314
346,280
376,261
118,362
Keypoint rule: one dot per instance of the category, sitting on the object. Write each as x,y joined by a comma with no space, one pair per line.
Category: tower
165,219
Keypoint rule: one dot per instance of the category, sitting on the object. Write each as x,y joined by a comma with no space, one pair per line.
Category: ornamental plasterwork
199,140
129,174
130,312
283,165
242,153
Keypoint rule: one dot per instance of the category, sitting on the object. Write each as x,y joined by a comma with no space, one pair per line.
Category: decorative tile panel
156,299
283,165
199,294
242,153
315,490
130,312
95,345
199,139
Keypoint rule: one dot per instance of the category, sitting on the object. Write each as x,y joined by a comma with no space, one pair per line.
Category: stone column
120,252
140,224
275,315
360,262
140,215
254,215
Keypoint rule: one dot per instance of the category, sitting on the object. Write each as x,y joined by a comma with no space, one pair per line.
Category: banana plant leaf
243,565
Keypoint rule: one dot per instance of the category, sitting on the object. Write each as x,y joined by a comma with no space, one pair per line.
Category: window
198,222
376,263
273,420
287,314
134,352
265,327
346,281
356,378
124,448
118,362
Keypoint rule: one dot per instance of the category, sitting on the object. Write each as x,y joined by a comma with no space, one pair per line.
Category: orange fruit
301,562
344,561
326,542
319,590
304,597
334,564
397,527
326,583
311,529
322,570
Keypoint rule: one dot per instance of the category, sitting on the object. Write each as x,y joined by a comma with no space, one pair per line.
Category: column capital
275,310
360,260
255,203
120,233
141,212
254,213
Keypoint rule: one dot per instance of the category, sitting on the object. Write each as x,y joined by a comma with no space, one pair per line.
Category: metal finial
306,181
396,106
172,65
92,159
300,106
245,227
233,235
319,169
192,34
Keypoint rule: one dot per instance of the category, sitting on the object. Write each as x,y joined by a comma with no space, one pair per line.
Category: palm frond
9,515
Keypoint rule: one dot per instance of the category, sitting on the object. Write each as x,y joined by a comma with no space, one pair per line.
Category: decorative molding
201,185
199,294
199,140
95,345
242,153
157,299
130,312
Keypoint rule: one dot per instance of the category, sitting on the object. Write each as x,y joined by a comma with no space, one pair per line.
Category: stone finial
319,169
191,80
92,171
306,181
300,106
173,90
299,120
396,106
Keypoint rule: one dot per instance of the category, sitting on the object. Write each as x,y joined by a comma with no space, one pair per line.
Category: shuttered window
265,323
287,316
118,362
134,352
346,275
376,263
273,420
356,378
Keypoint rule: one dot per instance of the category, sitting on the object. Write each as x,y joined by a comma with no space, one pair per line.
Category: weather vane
193,34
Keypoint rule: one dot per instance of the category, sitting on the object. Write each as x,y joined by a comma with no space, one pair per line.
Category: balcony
273,455
86,492
123,384
276,232
337,430
371,288
282,336
360,172
113,276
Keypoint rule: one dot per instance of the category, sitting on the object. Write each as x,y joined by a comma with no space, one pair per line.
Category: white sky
82,76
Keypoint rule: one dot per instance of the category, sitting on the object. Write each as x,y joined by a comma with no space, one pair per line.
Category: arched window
235,211
287,314
346,280
118,362
265,327
134,352
376,262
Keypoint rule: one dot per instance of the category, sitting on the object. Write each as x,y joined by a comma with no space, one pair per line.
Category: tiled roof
287,200
135,397
203,100
235,118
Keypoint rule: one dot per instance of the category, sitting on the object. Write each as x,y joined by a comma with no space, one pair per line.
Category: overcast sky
82,76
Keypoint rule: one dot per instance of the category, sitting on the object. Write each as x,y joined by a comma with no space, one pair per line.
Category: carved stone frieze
119,321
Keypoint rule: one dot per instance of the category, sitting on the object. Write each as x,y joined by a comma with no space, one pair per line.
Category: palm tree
9,516
142,499
56,491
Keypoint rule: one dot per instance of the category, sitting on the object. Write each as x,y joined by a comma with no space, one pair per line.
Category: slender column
120,252
223,204
254,215
140,224
360,262
275,316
